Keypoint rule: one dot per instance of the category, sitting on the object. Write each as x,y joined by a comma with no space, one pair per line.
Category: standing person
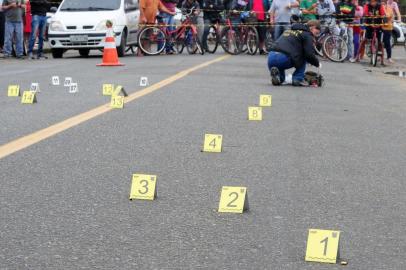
260,7
346,12
294,49
212,9
359,11
27,25
169,20
395,7
387,29
149,9
2,22
308,8
326,11
39,10
280,12
14,10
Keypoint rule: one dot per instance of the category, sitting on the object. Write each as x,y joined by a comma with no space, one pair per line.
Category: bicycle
237,38
376,48
153,39
334,47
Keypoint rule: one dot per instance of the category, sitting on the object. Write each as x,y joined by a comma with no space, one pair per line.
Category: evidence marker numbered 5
233,200
143,187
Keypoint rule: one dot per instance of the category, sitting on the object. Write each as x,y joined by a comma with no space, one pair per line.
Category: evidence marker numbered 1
13,91
265,100
255,113
29,97
108,89
213,143
143,187
322,246
233,200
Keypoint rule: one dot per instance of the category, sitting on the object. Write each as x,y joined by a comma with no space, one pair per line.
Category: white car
81,25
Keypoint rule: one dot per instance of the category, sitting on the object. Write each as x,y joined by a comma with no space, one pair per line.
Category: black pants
387,34
2,23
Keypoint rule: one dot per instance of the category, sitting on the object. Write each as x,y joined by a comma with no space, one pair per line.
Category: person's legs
278,31
277,64
8,38
350,42
299,73
18,26
386,41
356,45
33,36
207,24
41,34
2,22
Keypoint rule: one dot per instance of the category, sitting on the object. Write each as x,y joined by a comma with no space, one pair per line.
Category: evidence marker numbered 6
322,246
233,200
213,143
143,187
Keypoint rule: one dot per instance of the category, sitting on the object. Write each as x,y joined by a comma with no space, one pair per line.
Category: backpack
314,79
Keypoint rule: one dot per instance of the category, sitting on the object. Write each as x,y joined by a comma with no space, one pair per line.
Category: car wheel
84,52
57,53
123,44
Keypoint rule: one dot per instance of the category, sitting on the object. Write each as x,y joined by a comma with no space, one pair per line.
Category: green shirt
307,4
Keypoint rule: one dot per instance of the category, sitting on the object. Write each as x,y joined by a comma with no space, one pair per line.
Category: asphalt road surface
327,158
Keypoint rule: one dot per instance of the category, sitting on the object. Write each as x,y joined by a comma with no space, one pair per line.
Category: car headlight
101,26
56,26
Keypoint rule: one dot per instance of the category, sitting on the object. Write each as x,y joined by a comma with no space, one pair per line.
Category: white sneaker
352,60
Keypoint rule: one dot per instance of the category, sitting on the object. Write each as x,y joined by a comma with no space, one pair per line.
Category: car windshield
90,5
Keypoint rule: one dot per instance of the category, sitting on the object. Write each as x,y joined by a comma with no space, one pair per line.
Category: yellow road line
40,135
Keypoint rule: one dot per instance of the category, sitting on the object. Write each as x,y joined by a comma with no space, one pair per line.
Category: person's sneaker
39,57
300,83
390,61
20,57
352,60
30,56
275,76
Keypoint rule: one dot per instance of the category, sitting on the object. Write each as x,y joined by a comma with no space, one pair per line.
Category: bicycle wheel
180,44
151,40
318,46
229,41
252,38
212,39
374,52
335,48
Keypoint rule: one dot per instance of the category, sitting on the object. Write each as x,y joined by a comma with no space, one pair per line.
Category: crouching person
294,49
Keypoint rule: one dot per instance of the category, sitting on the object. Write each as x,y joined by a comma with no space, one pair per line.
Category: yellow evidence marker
117,102
255,113
265,100
29,97
119,90
13,91
322,246
213,143
233,200
108,89
143,187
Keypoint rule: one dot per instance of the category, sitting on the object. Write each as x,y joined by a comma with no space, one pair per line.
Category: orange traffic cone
110,57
